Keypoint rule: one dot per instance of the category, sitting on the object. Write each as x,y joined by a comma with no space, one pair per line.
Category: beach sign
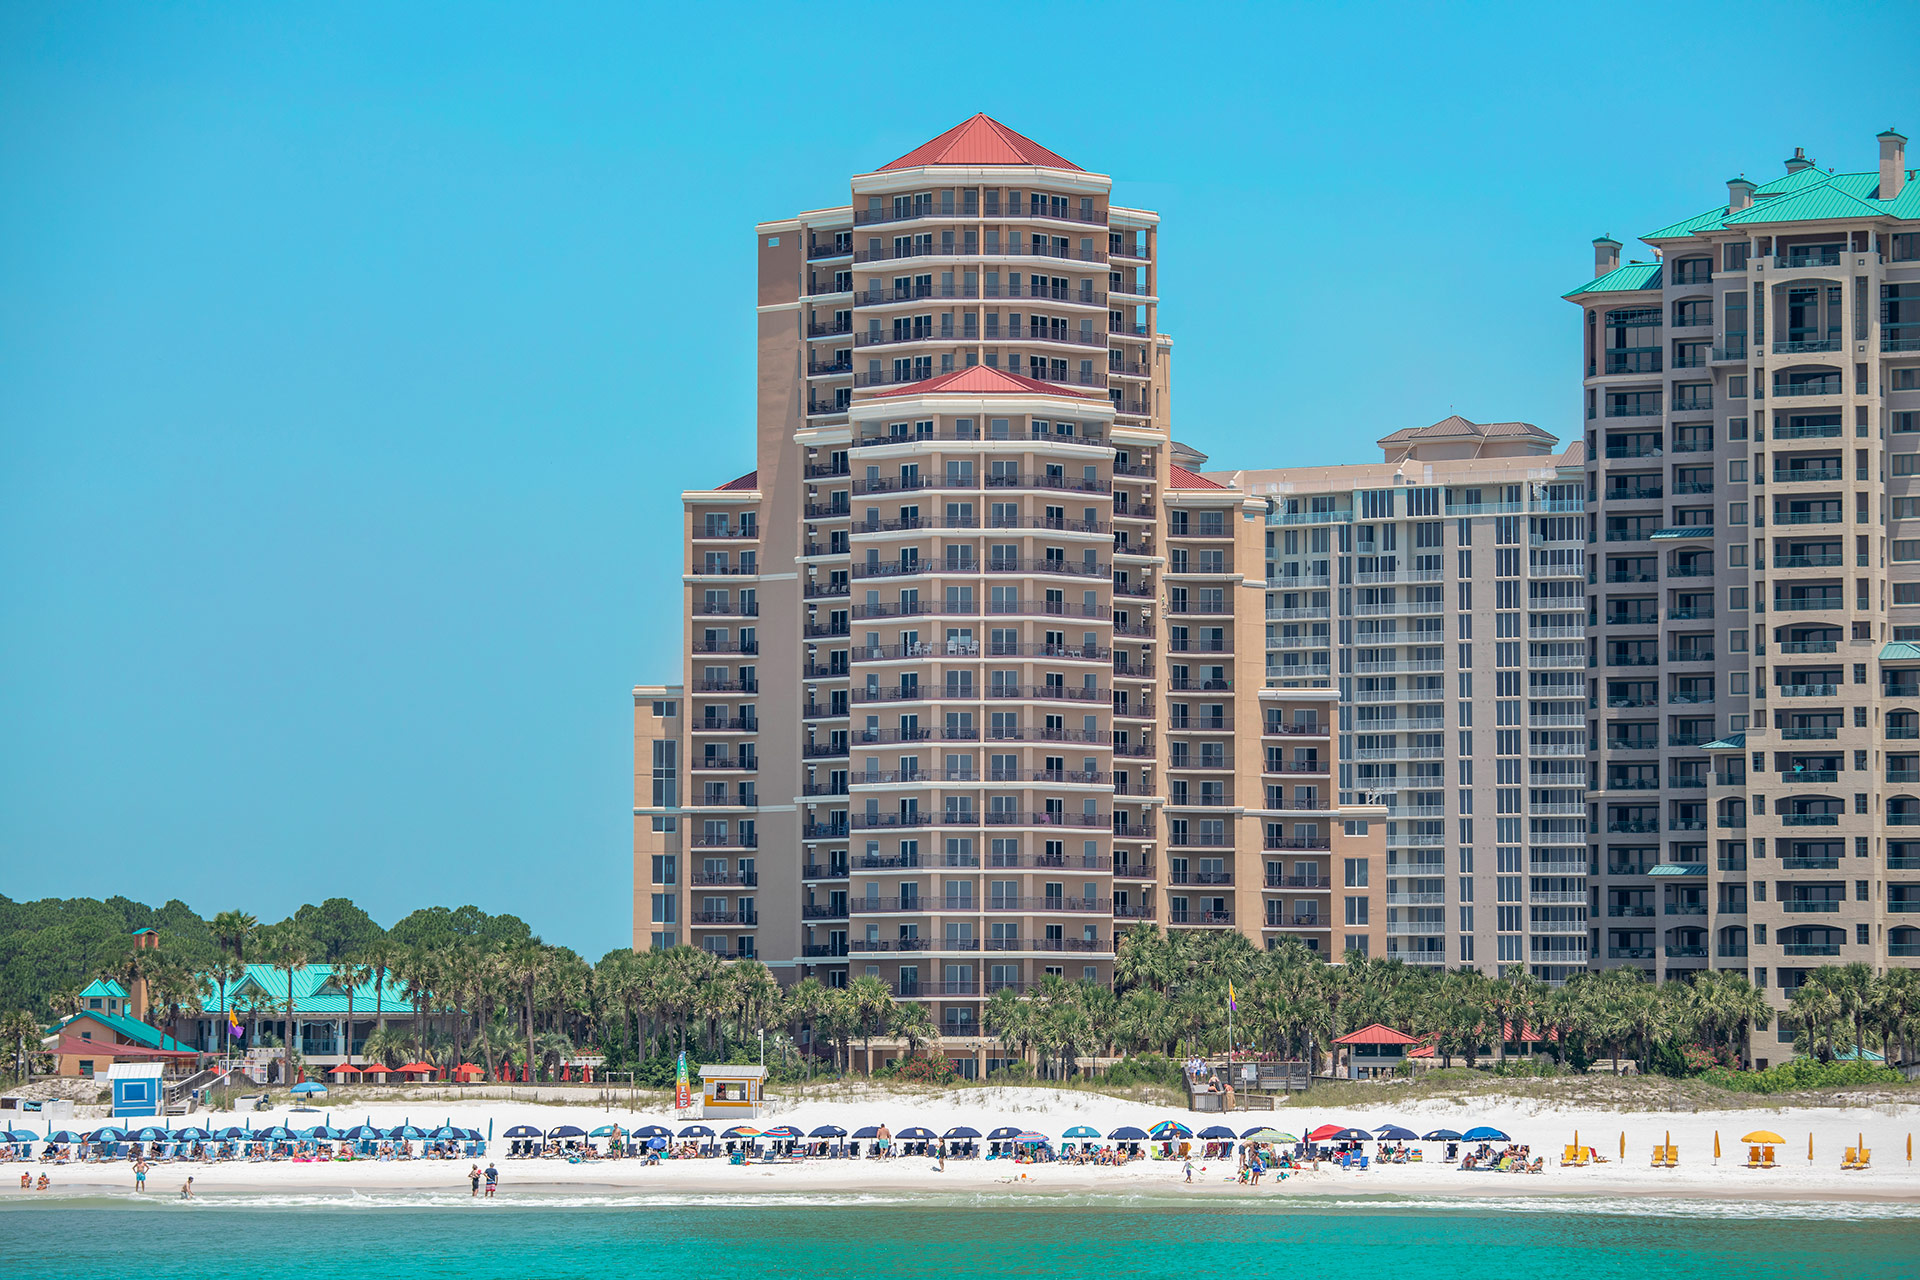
682,1088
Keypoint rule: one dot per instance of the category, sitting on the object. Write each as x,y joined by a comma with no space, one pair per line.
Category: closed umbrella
1809,1148
1716,1146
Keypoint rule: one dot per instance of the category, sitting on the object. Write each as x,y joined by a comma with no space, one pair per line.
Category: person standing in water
140,1174
473,1176
186,1188
493,1179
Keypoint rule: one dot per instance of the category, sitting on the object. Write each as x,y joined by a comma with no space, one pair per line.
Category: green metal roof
104,989
1683,531
1815,204
1678,869
1900,651
313,992
1631,278
1806,195
1687,226
138,1032
1732,742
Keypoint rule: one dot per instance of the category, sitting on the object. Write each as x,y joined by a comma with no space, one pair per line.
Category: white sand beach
1545,1127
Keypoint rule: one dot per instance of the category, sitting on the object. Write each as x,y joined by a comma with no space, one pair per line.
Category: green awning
1683,531
1678,869
1732,742
1900,651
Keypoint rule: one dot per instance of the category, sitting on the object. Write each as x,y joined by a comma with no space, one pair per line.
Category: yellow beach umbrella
1765,1137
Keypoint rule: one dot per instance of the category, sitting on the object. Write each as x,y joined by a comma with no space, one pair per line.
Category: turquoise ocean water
821,1235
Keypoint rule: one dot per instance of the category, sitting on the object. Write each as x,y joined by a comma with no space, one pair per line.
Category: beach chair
1856,1158
1574,1157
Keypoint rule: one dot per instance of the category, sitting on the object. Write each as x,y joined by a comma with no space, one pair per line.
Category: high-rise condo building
1753,424
1443,591
974,671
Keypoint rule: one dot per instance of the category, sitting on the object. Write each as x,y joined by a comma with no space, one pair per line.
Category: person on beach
473,1176
26,1182
140,1175
186,1189
1189,1170
493,1179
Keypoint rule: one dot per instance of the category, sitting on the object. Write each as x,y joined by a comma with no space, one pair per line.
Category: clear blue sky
351,360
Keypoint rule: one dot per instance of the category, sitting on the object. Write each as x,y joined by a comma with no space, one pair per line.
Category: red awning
344,1069
412,1067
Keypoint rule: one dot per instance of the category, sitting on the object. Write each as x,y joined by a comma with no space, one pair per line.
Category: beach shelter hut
467,1072
137,1088
732,1093
415,1071
1374,1050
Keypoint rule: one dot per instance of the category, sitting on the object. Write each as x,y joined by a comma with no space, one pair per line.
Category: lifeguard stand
732,1093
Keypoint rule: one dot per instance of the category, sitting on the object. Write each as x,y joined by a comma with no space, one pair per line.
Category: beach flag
1231,1006
682,1088
233,1024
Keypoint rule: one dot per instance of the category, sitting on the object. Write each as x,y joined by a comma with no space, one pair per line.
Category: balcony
1811,906
1806,346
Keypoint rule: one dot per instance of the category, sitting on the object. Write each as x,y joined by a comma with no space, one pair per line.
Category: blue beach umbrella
916,1133
1440,1135
870,1131
63,1136
192,1133
656,1144
566,1131
1079,1131
696,1131
653,1131
523,1131
152,1133
1394,1133
22,1135
1486,1133
308,1087
961,1132
363,1133
234,1133
1127,1133
1214,1131
447,1133
828,1131
405,1132
1008,1132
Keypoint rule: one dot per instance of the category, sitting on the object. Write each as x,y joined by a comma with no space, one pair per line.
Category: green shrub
1803,1073
1146,1068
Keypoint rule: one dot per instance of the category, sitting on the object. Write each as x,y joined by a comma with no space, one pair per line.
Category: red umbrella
1324,1132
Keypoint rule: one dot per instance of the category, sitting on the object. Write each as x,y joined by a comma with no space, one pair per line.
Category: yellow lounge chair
1856,1158
1574,1156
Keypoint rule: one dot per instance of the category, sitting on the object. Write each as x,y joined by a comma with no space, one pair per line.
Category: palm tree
20,1032
913,1024
349,975
288,950
872,1006
232,932
418,972
380,957
525,960
802,1008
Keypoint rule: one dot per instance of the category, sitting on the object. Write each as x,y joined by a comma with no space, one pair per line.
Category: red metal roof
74,1046
751,480
980,380
1377,1034
1181,478
981,140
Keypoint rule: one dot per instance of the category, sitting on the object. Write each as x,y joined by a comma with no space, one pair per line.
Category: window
1737,387
1736,428
663,710
1737,471
1906,508
1356,869
1906,422
1906,548
1906,464
1356,911
1736,513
